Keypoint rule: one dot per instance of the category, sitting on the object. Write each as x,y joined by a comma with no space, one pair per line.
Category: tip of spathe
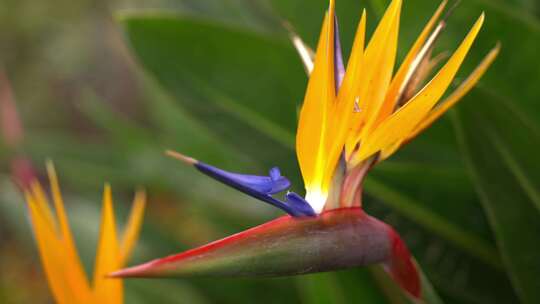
130,272
115,275
186,159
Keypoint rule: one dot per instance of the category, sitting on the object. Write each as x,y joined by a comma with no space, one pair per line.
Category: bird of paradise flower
61,262
350,120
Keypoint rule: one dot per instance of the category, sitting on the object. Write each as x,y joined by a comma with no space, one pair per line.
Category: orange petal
400,79
320,95
75,276
42,203
348,92
459,93
379,60
131,232
383,59
50,250
343,109
446,104
400,124
107,290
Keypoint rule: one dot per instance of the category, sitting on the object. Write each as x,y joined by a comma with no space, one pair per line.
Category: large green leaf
227,79
499,148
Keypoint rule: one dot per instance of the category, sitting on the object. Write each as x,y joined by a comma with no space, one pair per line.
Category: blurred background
104,87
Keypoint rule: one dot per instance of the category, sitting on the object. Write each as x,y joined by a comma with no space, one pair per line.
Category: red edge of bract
402,268
136,271
400,265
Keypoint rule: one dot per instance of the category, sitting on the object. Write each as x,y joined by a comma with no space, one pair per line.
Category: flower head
62,266
350,120
353,118
363,115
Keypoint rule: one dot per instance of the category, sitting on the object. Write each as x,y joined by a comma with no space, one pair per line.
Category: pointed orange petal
383,67
399,125
320,95
354,65
461,91
343,109
50,251
377,70
348,93
389,150
75,275
403,73
131,232
107,290
42,203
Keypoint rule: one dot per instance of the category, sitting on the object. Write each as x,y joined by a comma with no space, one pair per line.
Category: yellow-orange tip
186,159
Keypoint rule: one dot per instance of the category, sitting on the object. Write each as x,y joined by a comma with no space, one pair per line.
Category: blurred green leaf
349,286
225,79
429,292
440,225
497,144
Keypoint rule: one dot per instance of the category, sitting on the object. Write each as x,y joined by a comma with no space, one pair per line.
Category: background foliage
104,87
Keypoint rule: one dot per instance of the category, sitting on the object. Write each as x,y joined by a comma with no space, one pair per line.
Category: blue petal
274,173
299,204
260,187
339,68
280,183
272,184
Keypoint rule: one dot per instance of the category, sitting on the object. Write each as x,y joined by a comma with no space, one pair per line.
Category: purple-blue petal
280,183
339,67
274,173
299,204
264,184
259,187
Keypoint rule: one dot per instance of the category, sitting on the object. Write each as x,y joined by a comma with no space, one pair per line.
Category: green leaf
438,224
224,77
342,287
429,292
499,149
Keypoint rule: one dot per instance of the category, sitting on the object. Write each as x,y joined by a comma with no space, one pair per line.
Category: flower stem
351,191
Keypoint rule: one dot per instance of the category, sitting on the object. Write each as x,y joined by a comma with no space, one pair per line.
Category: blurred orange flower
61,262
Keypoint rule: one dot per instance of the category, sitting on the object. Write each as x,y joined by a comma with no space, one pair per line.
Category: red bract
334,240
